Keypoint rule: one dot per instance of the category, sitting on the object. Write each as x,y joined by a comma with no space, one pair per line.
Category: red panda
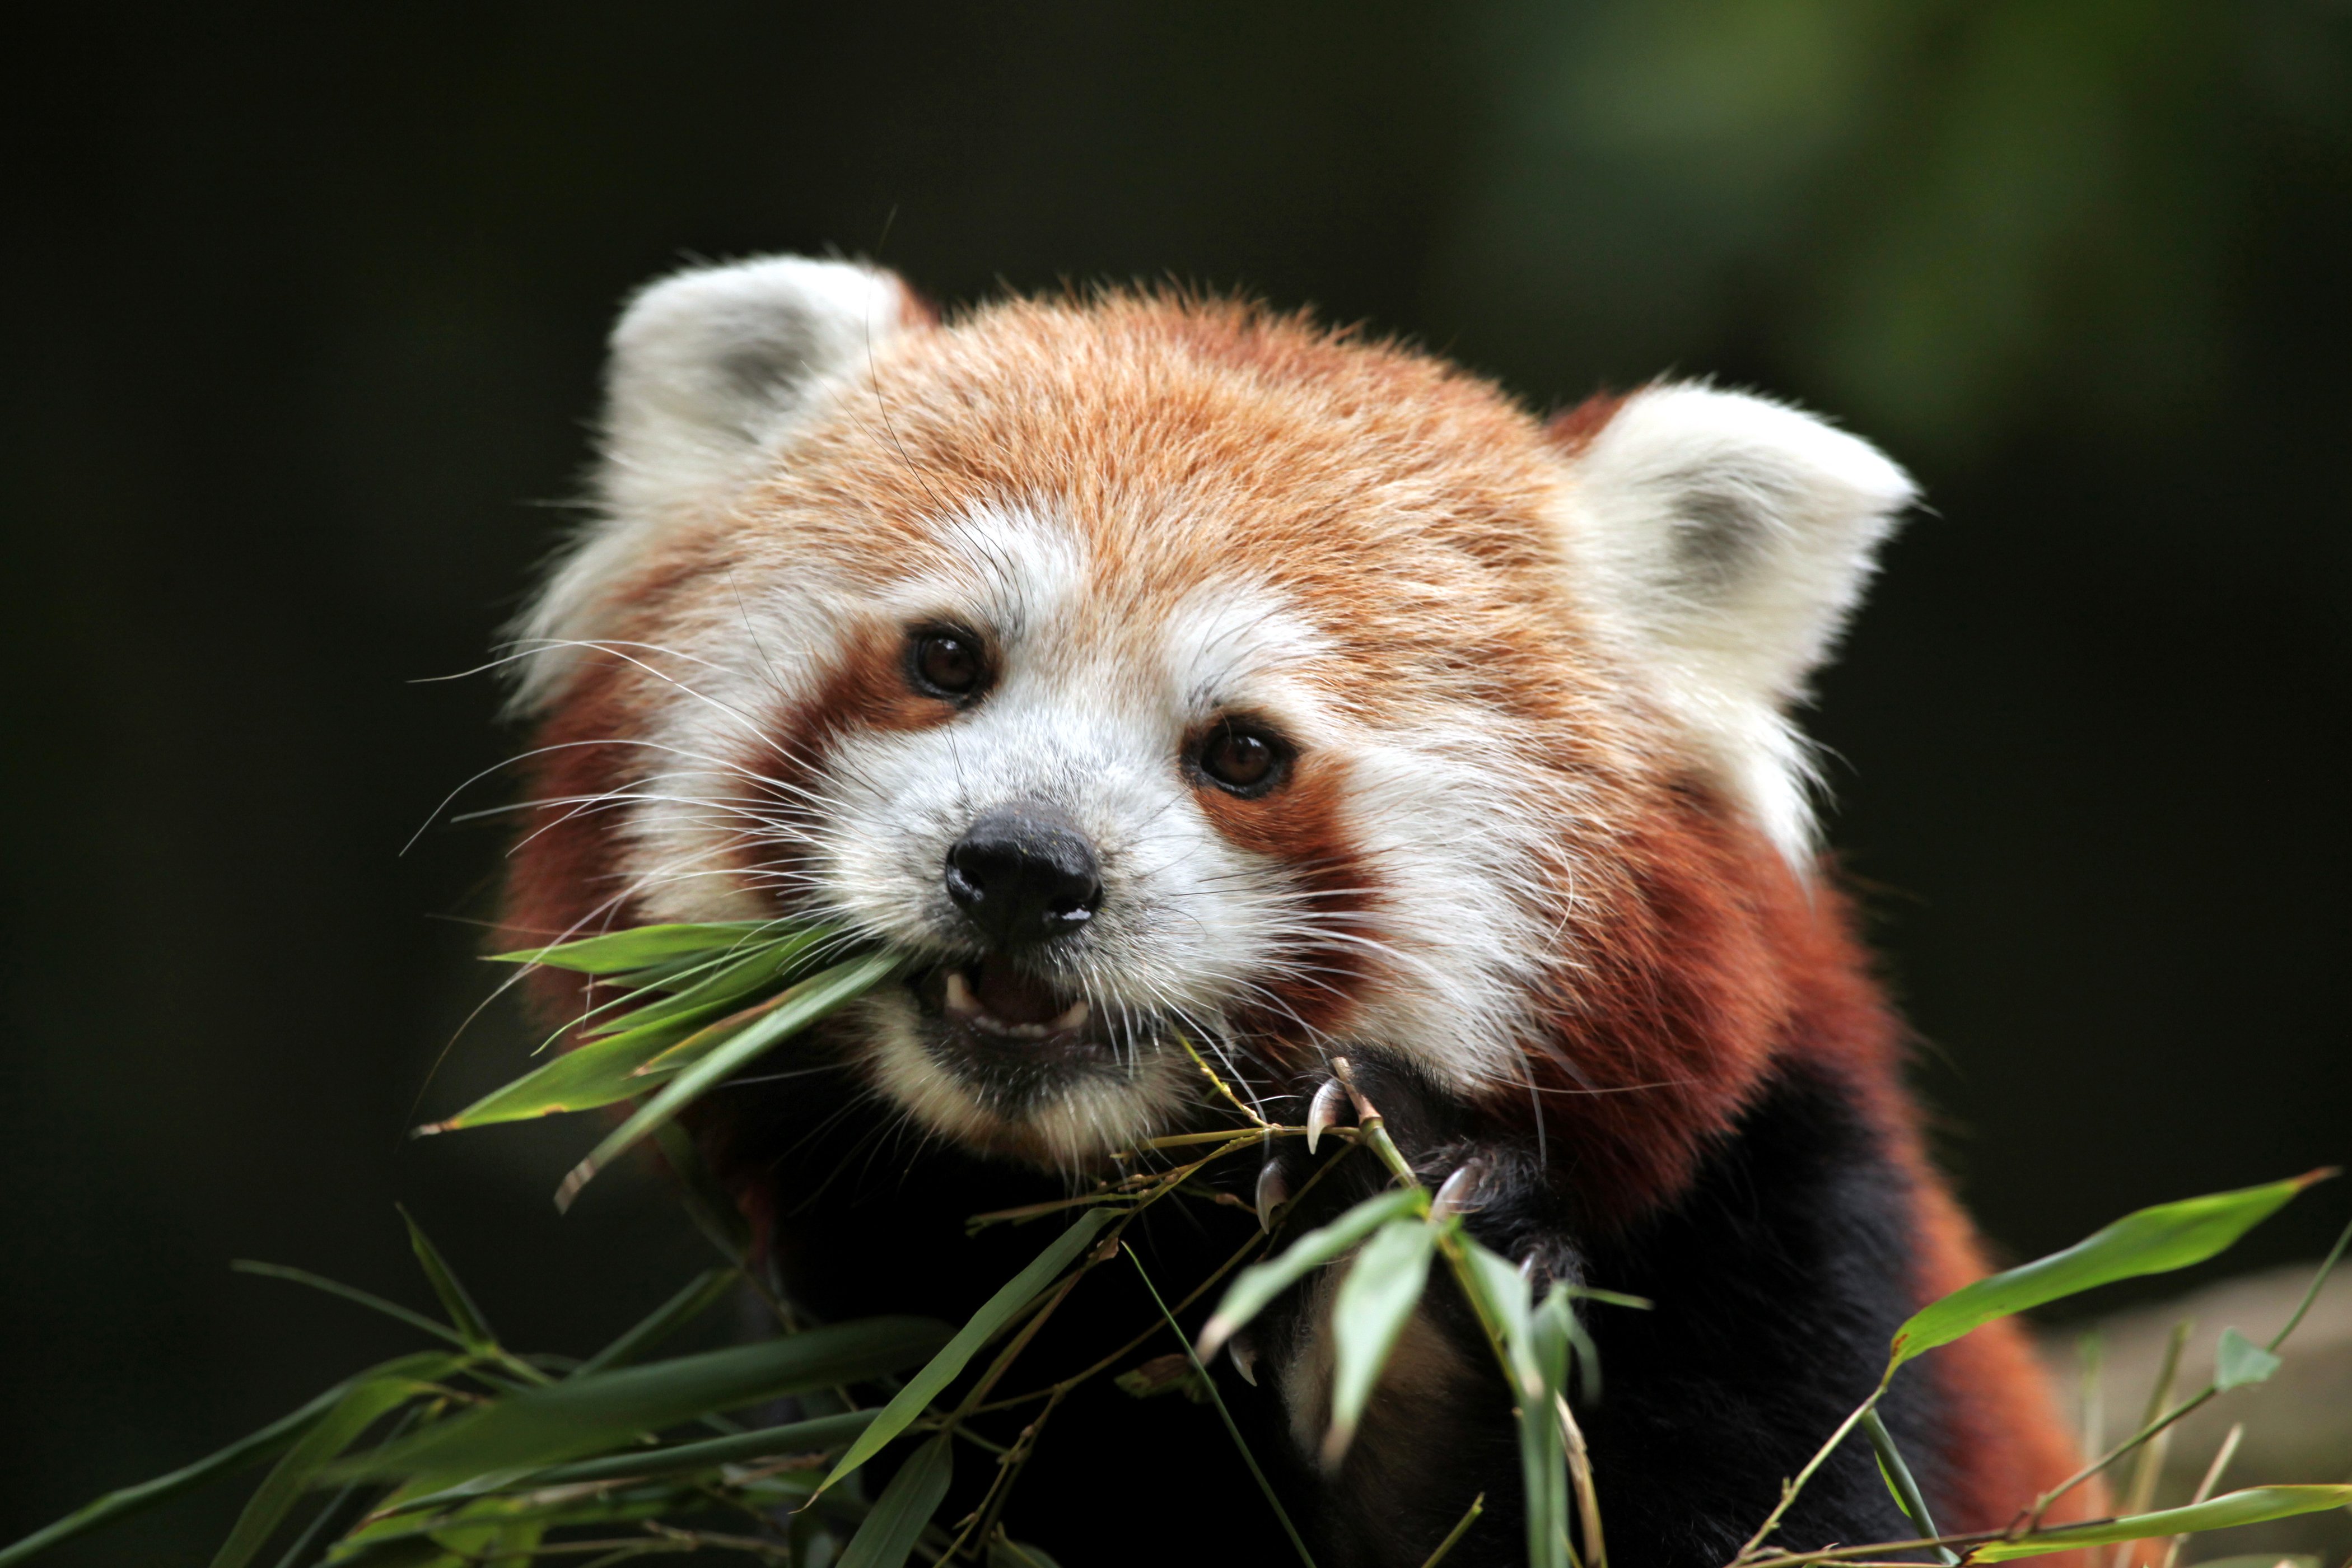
1149,663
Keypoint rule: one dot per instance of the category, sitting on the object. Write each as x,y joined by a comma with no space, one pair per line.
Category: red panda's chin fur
1523,833
1064,1104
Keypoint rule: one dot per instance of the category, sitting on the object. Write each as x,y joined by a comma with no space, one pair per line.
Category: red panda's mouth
998,999
994,1016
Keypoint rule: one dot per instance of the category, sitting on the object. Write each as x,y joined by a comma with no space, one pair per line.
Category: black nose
1024,873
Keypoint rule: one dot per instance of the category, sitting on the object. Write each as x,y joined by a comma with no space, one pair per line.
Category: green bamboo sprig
1058,1391
1371,1130
2030,1519
1106,1246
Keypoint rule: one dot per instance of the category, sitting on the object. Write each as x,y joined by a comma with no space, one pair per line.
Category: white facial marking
1090,710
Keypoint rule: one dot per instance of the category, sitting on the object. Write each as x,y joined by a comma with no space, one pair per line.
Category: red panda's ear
1729,536
711,370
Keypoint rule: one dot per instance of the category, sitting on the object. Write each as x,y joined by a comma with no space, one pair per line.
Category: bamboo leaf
761,963
1501,1293
583,1414
1543,1456
1170,1373
905,1505
364,1401
1382,1286
301,1553
705,1038
463,1315
1259,1284
2255,1505
508,1542
2238,1361
944,1368
2152,1241
484,1529
1608,1298
598,1072
416,1553
804,1004
1900,1482
699,1296
644,947
124,1502
350,1294
817,1435
660,1037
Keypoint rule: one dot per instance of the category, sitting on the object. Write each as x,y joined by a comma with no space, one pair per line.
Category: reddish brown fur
1398,501
1719,963
1304,825
866,688
564,864
1573,429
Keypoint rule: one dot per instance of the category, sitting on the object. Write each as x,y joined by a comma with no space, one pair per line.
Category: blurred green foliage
1949,218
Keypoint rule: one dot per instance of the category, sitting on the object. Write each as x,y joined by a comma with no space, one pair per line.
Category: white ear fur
1731,536
710,372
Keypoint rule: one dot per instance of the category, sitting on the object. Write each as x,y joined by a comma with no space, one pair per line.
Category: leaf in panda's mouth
698,1004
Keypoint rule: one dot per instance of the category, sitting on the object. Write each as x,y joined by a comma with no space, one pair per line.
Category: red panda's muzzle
991,1015
1026,879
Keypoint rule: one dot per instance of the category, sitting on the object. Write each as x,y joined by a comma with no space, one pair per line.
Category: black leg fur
1777,1282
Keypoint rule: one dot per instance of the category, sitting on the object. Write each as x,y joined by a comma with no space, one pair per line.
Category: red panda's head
1150,666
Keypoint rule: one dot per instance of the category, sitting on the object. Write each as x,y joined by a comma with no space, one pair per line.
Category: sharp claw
1457,1193
1325,1111
1273,1192
1243,1350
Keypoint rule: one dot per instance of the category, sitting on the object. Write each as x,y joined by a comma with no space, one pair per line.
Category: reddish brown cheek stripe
563,867
863,691
1310,985
865,688
566,867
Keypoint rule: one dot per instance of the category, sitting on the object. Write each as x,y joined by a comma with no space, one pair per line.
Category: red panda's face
1160,676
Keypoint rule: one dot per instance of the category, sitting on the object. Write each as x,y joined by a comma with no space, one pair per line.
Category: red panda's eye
947,664
1243,761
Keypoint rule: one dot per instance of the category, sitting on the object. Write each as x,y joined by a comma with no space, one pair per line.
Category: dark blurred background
304,307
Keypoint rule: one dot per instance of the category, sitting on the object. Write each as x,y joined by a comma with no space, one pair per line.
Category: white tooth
1073,1016
1027,1031
960,997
